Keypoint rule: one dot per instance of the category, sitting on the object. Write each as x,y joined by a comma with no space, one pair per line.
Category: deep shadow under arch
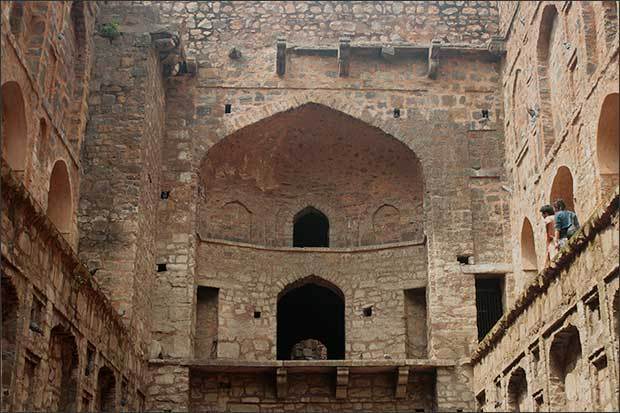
310,228
311,309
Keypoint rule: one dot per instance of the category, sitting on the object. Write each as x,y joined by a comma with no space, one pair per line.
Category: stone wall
554,108
257,392
557,349
216,24
46,55
248,282
58,328
122,158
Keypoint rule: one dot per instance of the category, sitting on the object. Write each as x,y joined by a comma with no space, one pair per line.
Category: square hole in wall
228,108
396,113
165,194
162,267
367,311
257,314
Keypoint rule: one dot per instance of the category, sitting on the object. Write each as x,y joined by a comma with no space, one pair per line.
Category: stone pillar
121,160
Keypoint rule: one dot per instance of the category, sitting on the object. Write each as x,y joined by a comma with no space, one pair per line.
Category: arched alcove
528,248
310,228
14,128
311,308
386,224
63,370
562,188
565,364
608,141
59,197
517,391
549,35
312,155
10,305
106,390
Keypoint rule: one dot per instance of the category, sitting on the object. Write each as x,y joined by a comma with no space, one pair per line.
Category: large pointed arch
307,154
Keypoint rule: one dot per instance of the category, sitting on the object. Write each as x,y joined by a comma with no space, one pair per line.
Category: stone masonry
270,206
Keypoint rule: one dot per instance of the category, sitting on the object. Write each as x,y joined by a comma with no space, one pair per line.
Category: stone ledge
329,250
491,268
229,365
599,220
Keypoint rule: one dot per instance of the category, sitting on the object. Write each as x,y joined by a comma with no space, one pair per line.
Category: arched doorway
106,390
562,188
608,141
310,228
311,308
59,198
14,130
63,370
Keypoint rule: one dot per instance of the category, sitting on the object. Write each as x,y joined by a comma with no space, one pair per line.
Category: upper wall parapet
261,23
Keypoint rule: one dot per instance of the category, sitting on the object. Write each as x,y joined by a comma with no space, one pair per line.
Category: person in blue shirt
566,223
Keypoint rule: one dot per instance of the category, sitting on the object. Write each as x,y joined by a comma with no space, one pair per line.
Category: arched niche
59,197
566,371
310,228
562,188
315,155
106,390
63,370
549,37
311,308
386,224
517,391
608,141
528,248
14,128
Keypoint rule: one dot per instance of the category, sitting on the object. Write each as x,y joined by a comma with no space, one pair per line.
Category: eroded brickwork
162,161
557,347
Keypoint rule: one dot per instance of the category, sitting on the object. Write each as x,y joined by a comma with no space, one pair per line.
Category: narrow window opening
485,114
489,308
162,267
310,229
256,314
227,108
396,113
367,311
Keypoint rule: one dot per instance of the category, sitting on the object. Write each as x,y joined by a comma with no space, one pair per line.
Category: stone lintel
342,382
402,379
491,268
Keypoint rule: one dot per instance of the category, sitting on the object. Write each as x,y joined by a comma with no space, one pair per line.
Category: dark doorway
311,229
311,311
488,304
